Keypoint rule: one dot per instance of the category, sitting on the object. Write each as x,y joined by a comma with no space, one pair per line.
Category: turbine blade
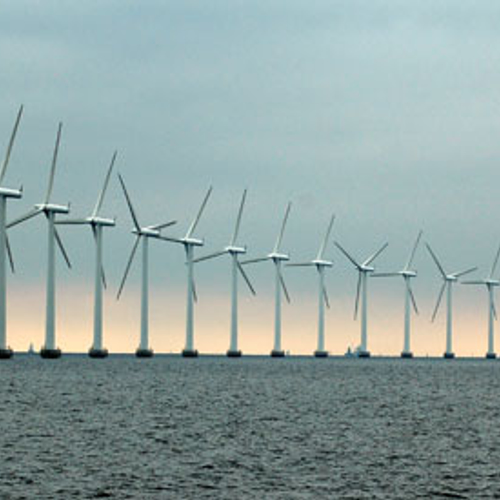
246,278
198,215
9,253
253,261
169,238
325,296
209,256
436,261
414,251
384,275
10,145
195,293
54,162
238,219
344,251
325,241
29,215
494,309
473,282
495,262
127,267
159,227
61,247
71,221
412,297
129,204
283,286
358,291
100,200
103,277
440,296
368,261
463,273
282,230
300,264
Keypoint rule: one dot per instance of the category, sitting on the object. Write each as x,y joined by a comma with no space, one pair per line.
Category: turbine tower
50,210
5,193
97,223
142,233
320,263
490,284
448,280
407,274
277,259
234,252
364,270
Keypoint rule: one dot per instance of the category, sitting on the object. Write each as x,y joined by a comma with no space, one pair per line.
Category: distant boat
31,349
349,353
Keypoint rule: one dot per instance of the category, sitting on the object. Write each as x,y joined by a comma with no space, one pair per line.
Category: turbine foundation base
449,355
189,353
233,354
277,354
6,353
98,353
364,354
406,355
50,353
491,355
144,353
320,354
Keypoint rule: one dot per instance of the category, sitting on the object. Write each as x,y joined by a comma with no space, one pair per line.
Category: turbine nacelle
235,250
278,256
147,231
101,221
408,274
11,193
451,277
51,207
322,263
192,242
490,282
366,269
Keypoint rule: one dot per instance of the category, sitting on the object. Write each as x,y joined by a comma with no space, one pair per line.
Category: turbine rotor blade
129,204
253,261
29,215
127,268
100,200
195,293
325,296
370,259
463,273
61,247
10,145
283,286
282,230
198,215
169,238
494,309
349,257
414,251
325,241
238,219
473,282
412,297
436,261
384,275
245,277
300,264
54,162
495,262
440,296
159,227
210,256
358,290
9,253
103,278
71,221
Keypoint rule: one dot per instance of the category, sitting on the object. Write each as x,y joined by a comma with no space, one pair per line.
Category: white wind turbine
448,280
97,224
490,284
142,233
364,270
320,263
5,193
234,252
277,259
49,350
189,243
407,274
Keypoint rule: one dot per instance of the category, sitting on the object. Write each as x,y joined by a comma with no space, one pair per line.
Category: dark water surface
249,428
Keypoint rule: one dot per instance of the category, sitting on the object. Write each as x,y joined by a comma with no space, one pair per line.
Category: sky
384,113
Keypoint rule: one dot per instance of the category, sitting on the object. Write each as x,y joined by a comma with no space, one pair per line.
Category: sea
255,427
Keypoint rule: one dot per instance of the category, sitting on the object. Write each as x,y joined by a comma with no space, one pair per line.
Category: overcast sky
384,112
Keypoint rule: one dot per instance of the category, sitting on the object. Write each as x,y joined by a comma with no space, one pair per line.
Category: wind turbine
49,350
407,274
141,233
234,252
5,193
364,270
320,263
490,284
448,280
277,258
189,244
97,224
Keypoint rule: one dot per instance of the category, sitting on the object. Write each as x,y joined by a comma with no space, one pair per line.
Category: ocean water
217,428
